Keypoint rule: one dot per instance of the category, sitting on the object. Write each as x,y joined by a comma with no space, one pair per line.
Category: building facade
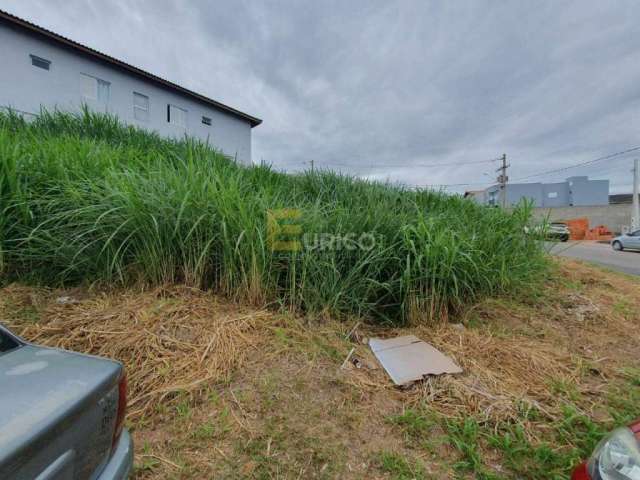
40,69
575,191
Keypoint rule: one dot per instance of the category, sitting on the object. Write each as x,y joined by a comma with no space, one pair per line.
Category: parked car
628,240
61,414
617,457
558,231
551,231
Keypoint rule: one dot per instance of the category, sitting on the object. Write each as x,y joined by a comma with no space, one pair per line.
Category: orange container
578,227
601,232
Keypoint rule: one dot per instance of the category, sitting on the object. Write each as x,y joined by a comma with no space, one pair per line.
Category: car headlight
617,457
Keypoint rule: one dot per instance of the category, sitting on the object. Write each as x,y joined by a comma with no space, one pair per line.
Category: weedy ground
220,390
85,199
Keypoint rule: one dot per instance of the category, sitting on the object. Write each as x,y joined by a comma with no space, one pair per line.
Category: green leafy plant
399,467
86,199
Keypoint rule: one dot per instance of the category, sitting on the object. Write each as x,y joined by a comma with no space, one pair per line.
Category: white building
39,68
573,192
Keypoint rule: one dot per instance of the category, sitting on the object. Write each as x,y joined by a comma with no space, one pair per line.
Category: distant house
575,191
40,68
621,199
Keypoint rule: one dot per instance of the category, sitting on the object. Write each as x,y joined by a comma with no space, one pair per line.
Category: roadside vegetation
222,390
85,199
118,243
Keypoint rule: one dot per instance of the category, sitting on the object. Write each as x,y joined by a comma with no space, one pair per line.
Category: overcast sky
379,89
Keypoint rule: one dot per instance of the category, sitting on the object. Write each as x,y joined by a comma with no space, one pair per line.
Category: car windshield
6,343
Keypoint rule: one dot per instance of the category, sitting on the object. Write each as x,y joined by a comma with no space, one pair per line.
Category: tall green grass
84,198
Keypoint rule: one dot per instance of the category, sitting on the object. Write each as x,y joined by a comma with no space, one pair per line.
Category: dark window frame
40,62
184,110
207,121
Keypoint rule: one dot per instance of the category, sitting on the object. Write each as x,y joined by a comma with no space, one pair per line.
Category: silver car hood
43,391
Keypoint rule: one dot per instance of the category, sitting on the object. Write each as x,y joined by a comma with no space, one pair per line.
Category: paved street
602,254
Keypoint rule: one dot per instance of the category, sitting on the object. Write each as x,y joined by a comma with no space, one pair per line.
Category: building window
552,194
140,107
40,62
94,88
177,116
206,121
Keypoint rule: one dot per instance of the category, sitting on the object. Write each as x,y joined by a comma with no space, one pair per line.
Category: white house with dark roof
39,68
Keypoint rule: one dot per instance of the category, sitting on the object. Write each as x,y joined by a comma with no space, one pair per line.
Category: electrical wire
582,164
450,184
434,164
476,162
425,165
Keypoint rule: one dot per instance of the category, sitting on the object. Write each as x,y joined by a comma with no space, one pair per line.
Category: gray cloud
374,88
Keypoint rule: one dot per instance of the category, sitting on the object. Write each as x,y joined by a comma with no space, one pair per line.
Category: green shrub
85,198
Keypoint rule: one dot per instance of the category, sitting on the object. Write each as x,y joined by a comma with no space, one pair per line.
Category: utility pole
503,179
635,219
311,166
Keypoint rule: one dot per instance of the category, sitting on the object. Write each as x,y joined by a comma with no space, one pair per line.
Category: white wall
585,192
615,217
561,192
517,191
25,87
576,191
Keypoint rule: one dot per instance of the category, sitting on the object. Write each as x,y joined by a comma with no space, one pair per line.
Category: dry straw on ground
178,341
173,341
518,358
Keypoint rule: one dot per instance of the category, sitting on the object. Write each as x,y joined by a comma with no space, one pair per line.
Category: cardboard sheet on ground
408,359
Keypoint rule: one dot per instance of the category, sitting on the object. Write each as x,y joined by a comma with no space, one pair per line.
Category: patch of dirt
218,390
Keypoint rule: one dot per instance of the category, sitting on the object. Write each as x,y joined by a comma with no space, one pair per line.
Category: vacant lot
171,242
219,390
86,199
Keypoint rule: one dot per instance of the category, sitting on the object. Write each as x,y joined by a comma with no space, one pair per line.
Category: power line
602,170
432,185
437,164
455,164
451,184
582,164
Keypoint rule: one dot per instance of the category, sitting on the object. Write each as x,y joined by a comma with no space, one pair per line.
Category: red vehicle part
581,472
